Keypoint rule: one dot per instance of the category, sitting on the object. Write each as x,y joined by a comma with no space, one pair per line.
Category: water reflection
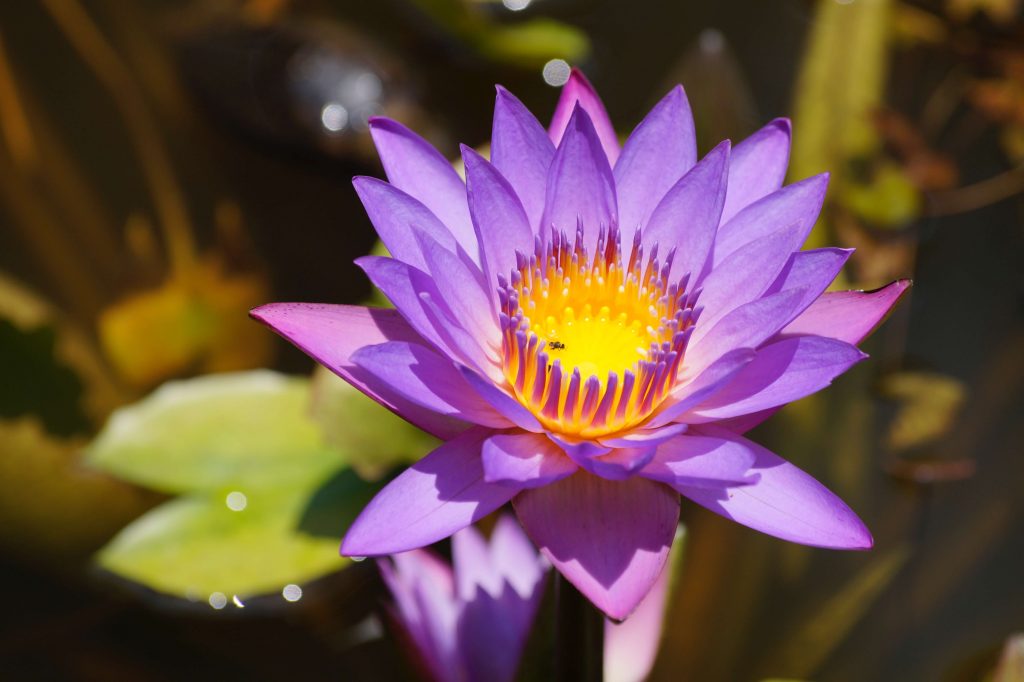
218,600
236,501
292,592
556,72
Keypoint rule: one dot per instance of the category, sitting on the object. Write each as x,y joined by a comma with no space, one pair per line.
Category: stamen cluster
591,346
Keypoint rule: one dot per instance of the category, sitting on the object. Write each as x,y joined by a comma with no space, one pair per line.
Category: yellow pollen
591,346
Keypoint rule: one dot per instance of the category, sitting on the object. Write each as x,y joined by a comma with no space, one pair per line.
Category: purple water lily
591,329
470,624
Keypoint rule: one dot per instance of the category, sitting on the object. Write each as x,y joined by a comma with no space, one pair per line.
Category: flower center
592,345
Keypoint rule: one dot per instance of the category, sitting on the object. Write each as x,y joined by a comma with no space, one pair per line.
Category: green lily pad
217,431
214,547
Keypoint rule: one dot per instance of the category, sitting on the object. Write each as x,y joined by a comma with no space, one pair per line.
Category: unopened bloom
590,329
470,624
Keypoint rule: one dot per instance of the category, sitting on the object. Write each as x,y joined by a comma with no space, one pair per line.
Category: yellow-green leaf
214,547
217,431
841,83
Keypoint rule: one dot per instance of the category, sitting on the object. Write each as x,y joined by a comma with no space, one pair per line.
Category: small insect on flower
590,329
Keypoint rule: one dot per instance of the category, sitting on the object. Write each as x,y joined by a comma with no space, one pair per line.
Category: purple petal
579,450
747,273
331,334
782,372
701,461
506,405
621,463
608,538
473,566
524,460
442,493
515,557
812,270
783,501
398,217
658,152
401,284
522,152
467,347
630,648
502,227
848,315
427,379
501,586
422,586
492,634
580,184
463,294
757,166
647,436
687,217
748,326
693,391
578,89
415,167
796,204
844,315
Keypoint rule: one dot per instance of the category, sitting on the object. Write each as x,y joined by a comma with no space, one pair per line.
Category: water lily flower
590,329
471,623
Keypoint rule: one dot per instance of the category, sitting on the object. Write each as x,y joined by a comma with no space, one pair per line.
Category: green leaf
372,439
533,43
217,431
197,546
841,83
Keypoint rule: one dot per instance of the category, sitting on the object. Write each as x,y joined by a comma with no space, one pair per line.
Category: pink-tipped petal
782,372
608,538
687,218
427,379
796,204
524,460
442,493
522,153
848,315
578,89
757,166
502,227
331,334
415,167
658,152
783,501
699,460
580,185
398,217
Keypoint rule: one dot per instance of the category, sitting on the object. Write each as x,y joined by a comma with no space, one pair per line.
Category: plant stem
579,627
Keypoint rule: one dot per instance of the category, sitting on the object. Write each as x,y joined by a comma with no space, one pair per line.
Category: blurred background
174,480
